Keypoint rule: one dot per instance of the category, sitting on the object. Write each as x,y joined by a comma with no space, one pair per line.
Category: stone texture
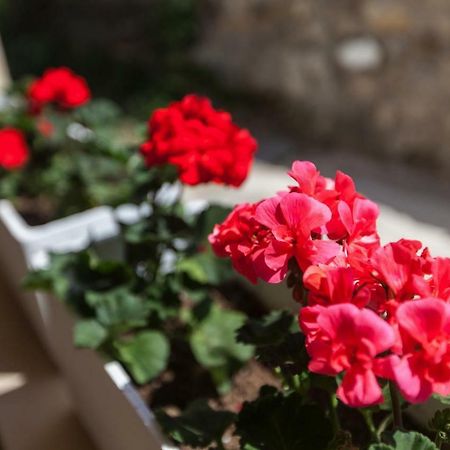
372,73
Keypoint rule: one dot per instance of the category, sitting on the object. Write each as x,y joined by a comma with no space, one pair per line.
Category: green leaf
206,220
98,112
195,268
407,441
145,355
89,334
198,426
214,340
275,421
204,268
440,423
270,330
119,308
276,345
444,399
53,278
214,344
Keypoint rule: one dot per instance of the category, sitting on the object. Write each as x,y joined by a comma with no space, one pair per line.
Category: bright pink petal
338,321
316,252
267,214
376,330
414,387
345,214
360,388
306,175
340,284
365,210
303,213
278,254
267,273
423,319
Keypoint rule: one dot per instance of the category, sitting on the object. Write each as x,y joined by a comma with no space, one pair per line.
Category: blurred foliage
136,52
81,156
162,291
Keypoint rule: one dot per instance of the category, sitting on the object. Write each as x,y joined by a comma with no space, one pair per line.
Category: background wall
371,74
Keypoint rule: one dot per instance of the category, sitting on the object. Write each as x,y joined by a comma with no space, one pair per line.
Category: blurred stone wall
369,73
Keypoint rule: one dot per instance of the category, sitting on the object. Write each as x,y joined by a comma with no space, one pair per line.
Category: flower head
293,218
59,86
424,364
202,142
243,239
347,339
14,151
401,269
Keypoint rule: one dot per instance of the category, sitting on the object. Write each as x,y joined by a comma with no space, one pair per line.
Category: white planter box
106,401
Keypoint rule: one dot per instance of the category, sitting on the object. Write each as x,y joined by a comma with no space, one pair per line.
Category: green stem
285,379
438,440
333,413
396,407
383,425
367,414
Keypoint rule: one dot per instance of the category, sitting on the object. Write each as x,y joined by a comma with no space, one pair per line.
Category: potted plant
370,340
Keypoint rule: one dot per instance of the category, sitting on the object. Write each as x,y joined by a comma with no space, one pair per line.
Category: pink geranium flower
333,284
348,339
292,218
439,283
424,365
399,266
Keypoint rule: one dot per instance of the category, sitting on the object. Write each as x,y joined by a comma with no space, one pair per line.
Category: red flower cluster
371,312
13,149
202,142
59,86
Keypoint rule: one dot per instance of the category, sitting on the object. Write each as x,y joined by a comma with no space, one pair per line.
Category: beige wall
375,73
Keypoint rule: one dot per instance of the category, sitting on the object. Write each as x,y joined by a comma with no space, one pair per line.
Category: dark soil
35,211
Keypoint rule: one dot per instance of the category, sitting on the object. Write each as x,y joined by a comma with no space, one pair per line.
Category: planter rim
69,234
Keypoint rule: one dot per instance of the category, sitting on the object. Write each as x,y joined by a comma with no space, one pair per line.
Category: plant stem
367,414
396,407
438,441
333,413
385,422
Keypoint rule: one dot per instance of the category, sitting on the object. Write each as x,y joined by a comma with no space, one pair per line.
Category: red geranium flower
243,239
60,86
14,151
204,143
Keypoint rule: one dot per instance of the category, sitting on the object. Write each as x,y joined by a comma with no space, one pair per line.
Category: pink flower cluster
369,312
